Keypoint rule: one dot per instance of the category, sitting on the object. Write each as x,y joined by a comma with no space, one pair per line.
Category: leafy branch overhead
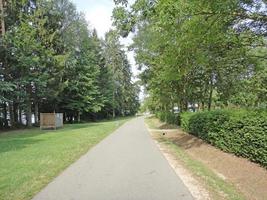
205,53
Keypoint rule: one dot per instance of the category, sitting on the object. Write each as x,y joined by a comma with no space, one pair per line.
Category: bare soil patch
198,191
249,178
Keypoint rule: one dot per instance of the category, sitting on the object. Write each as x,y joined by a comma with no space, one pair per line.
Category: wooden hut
51,120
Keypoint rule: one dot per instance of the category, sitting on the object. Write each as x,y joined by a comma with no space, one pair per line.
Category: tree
194,52
51,62
124,91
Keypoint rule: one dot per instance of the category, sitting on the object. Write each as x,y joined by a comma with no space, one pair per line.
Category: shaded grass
217,186
30,159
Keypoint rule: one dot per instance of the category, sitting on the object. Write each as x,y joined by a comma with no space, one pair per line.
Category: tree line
50,61
198,54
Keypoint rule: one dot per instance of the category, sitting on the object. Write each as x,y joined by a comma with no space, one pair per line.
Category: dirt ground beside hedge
248,177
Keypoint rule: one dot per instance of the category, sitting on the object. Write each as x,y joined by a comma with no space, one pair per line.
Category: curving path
127,165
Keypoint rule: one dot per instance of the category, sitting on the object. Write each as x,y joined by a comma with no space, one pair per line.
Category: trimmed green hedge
241,132
168,117
185,120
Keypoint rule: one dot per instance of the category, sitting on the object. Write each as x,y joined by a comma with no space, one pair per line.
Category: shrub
206,125
241,132
185,120
168,117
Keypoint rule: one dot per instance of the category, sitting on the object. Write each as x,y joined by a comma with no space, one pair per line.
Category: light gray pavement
127,165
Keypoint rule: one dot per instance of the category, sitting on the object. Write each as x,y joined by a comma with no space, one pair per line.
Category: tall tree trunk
113,113
185,105
122,112
113,105
181,106
29,113
20,115
29,105
203,105
210,92
2,23
5,115
79,116
15,111
64,117
36,112
11,113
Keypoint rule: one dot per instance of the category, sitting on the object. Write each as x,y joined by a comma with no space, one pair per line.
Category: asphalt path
126,165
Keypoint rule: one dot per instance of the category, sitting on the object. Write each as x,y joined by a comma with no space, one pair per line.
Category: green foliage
50,61
240,132
168,117
209,53
185,116
207,124
125,92
204,55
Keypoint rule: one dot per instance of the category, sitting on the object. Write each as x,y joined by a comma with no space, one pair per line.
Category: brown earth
248,177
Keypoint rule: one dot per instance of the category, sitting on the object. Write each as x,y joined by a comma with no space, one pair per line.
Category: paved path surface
127,165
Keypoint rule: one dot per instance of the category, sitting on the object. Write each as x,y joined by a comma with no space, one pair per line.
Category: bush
168,117
243,133
206,125
185,120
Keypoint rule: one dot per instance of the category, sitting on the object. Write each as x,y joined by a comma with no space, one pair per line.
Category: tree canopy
198,53
50,61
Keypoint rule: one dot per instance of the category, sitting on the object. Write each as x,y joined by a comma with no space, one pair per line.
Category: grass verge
218,188
155,123
30,159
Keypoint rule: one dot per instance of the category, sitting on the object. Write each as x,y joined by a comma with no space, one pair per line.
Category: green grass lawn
30,159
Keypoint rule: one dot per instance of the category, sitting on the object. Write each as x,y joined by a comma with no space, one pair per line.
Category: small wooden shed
51,120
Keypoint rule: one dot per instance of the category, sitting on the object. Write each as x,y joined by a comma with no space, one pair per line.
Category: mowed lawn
30,159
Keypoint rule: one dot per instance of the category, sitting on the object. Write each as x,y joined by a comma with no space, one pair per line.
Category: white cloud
99,13
130,54
100,19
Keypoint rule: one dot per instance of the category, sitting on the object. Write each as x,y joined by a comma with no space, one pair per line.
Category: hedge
185,120
169,117
241,132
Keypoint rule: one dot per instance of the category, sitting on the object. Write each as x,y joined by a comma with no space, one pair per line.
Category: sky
98,13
